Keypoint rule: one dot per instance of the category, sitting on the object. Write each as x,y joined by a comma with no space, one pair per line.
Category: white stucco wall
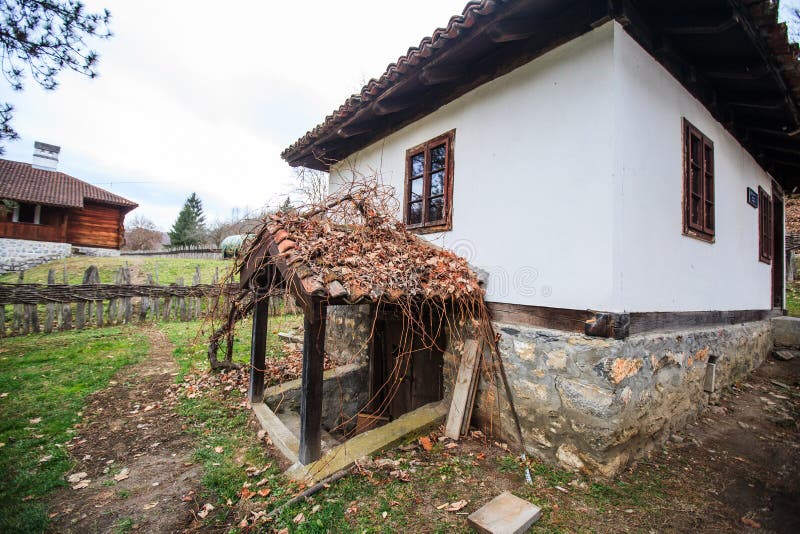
657,267
568,186
532,179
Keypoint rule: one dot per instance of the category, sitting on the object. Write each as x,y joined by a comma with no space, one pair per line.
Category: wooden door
779,248
405,369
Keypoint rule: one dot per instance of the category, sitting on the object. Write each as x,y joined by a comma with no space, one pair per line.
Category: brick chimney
45,156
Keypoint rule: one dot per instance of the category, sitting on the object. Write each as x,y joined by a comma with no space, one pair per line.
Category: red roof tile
24,183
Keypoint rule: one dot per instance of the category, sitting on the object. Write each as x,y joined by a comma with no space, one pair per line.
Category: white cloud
194,96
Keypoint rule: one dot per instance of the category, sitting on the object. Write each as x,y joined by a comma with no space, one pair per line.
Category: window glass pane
27,212
437,183
694,149
709,159
709,223
416,190
437,157
695,208
415,213
435,209
697,181
417,164
709,187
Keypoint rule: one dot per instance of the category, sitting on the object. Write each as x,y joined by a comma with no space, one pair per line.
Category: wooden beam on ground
258,346
462,393
311,401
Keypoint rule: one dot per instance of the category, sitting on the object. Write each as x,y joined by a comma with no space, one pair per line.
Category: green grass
169,269
191,340
793,298
49,377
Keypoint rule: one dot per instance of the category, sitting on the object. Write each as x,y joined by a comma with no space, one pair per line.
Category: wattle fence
32,308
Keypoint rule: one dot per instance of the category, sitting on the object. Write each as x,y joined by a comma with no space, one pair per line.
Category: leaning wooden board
462,390
482,349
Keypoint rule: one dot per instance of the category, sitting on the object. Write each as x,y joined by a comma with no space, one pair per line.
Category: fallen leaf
150,505
451,445
243,523
36,421
122,475
82,484
456,506
384,514
750,522
263,492
76,477
425,441
218,449
481,456
299,518
262,482
246,493
441,506
207,507
46,458
261,434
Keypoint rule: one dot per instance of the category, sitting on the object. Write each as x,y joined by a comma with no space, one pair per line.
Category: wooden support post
311,399
258,346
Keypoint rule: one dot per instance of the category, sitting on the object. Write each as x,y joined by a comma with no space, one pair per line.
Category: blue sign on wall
752,197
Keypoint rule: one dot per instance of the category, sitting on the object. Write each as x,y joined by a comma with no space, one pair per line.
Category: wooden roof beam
766,56
700,27
438,74
749,73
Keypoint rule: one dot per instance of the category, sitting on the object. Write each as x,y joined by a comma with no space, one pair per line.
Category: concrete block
505,514
786,332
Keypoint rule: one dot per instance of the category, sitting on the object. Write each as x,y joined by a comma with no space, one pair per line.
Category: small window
698,184
764,226
429,185
27,213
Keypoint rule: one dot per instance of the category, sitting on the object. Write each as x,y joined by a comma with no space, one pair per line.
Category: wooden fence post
198,303
51,308
16,325
182,301
66,309
127,301
80,308
258,348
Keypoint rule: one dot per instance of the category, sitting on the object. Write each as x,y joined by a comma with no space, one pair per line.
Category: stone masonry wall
96,251
347,333
594,404
21,254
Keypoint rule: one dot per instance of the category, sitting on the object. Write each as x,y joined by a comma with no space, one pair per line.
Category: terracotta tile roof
358,263
405,64
474,49
24,183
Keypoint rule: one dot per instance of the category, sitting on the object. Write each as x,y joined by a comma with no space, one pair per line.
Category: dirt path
740,462
130,428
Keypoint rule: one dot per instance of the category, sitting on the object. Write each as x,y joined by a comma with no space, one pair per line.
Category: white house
618,169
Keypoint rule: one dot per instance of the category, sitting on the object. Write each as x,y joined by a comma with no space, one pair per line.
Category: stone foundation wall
594,404
95,251
347,333
21,254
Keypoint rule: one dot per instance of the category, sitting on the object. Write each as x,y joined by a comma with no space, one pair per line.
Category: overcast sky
204,99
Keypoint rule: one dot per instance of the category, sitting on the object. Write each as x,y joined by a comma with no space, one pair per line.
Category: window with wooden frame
428,203
698,184
764,226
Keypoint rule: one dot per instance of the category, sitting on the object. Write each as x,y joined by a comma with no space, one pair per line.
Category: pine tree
287,207
189,229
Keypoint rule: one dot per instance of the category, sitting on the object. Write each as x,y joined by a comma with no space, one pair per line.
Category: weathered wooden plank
51,308
465,380
258,346
311,401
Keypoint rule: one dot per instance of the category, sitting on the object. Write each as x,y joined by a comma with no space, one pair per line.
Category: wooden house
42,206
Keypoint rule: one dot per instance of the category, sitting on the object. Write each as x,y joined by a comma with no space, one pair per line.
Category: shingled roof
24,183
732,55
349,264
